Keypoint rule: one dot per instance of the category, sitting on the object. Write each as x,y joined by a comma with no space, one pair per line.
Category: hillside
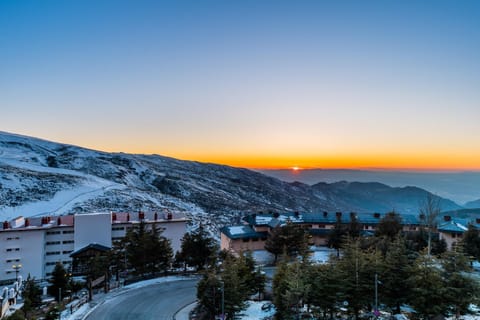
42,177
472,204
378,197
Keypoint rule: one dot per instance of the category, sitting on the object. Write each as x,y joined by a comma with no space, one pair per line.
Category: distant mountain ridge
43,177
459,186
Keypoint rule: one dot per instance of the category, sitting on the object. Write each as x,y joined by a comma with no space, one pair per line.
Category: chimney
128,217
325,214
5,225
478,220
27,222
141,215
254,217
59,221
169,216
296,214
376,215
447,218
422,217
114,216
338,214
353,215
155,216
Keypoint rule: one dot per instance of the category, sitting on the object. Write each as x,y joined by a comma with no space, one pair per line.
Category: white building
34,245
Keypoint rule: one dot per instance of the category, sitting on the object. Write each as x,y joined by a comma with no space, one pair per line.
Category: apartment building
252,234
34,245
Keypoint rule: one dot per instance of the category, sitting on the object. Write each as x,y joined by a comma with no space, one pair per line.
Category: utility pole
376,292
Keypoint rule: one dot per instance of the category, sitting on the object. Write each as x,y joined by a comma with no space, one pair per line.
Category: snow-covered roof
242,232
453,227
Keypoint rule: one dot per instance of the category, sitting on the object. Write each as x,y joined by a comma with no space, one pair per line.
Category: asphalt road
156,302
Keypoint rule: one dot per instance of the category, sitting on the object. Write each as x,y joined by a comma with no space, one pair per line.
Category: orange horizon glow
386,163
300,159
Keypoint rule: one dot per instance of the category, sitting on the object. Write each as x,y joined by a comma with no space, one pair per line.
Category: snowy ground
254,311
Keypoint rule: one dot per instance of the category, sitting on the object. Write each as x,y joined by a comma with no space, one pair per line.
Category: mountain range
39,177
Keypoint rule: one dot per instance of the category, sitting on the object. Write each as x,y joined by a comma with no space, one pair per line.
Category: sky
258,84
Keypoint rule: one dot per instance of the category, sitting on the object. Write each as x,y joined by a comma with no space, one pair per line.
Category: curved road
156,302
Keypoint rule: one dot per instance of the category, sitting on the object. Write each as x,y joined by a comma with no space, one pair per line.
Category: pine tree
428,294
395,269
389,226
198,248
58,281
471,242
32,296
337,236
291,239
357,269
326,287
462,287
147,251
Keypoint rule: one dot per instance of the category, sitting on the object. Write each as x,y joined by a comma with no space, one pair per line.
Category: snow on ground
321,254
318,255
254,311
61,203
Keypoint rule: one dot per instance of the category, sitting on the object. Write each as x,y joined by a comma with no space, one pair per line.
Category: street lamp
223,299
17,268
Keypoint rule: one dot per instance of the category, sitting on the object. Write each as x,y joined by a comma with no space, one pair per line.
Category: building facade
254,231
34,245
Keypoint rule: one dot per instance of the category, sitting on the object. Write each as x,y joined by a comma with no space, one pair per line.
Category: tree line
397,264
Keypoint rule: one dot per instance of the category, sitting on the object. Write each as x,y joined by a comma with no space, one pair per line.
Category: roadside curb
183,313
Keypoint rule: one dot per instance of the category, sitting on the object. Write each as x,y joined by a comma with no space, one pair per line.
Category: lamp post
17,268
223,299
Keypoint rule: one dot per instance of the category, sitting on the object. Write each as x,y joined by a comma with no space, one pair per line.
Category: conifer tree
428,294
395,270
32,296
198,248
58,281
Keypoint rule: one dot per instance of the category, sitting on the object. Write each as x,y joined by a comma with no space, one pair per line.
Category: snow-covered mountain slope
42,177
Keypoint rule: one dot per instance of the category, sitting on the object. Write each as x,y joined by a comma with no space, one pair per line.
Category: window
246,240
51,243
117,238
67,231
52,232
13,238
67,241
118,228
13,249
51,263
52,253
67,251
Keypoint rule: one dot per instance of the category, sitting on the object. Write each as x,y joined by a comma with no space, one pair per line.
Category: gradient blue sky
384,84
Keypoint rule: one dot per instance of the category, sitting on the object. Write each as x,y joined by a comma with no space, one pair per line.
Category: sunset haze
258,84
